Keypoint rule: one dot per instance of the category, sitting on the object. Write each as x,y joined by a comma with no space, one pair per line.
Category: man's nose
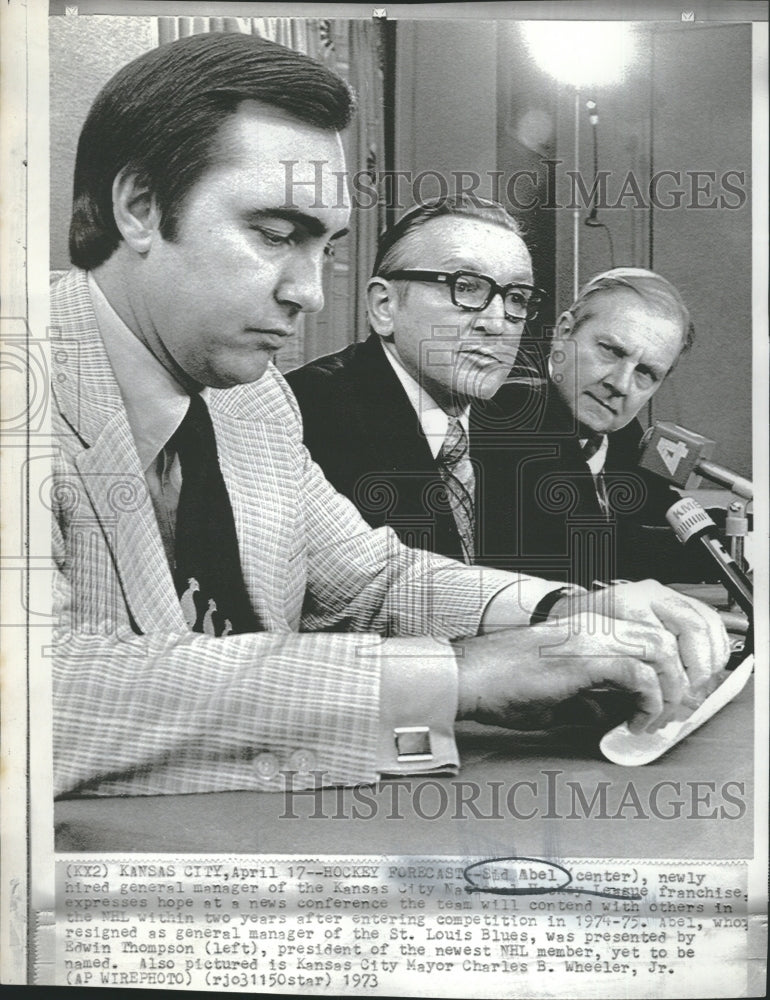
493,321
618,378
301,283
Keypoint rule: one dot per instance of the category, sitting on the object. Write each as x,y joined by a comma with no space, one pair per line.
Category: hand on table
644,638
702,643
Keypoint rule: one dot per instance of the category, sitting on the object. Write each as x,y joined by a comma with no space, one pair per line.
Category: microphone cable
592,219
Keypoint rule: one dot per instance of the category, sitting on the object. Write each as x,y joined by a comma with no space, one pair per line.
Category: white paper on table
621,746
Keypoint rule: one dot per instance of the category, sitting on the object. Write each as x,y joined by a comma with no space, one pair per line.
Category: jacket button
302,761
266,765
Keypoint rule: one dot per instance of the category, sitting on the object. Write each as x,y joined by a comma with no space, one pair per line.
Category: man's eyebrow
310,223
613,342
649,368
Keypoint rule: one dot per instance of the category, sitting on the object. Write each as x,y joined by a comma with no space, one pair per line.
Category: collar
155,402
596,461
433,420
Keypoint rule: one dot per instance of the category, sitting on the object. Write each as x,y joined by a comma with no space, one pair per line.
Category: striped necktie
589,449
457,473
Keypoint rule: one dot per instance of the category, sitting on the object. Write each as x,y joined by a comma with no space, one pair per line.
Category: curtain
354,50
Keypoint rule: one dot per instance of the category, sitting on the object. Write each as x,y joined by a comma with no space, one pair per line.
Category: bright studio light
582,53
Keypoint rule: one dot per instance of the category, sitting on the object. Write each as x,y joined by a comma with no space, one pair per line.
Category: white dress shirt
596,461
433,420
155,406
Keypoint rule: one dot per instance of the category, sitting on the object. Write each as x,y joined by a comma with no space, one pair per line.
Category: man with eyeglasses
395,421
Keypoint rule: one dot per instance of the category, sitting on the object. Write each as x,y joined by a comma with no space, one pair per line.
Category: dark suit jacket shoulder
364,433
330,399
536,505
556,519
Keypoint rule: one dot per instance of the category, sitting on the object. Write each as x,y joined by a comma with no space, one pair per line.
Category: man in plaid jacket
196,250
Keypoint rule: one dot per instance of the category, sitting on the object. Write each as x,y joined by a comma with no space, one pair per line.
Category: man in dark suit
396,421
585,509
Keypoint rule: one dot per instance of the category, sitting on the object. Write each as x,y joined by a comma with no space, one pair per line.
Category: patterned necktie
207,571
589,449
460,482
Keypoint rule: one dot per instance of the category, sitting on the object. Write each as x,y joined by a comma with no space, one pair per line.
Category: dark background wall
685,105
702,83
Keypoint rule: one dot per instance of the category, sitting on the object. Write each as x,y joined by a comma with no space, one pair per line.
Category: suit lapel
559,419
259,464
116,486
393,428
90,401
398,447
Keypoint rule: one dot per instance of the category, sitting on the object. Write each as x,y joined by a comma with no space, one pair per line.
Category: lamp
581,54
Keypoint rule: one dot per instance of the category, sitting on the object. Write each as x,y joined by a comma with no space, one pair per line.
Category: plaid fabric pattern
143,706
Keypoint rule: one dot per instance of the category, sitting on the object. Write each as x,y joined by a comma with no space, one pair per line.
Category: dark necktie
460,482
207,571
589,449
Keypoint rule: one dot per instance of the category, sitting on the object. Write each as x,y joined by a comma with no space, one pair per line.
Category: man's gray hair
648,285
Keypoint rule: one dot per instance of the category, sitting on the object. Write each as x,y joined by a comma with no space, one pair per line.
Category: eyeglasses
475,291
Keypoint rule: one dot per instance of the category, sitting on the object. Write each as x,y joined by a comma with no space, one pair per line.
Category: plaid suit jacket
144,706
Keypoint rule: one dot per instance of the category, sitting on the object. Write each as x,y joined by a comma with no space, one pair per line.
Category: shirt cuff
418,707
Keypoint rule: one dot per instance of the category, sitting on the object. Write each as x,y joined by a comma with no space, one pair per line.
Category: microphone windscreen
673,452
688,518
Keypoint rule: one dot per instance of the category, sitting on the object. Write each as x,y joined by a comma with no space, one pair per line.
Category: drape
355,50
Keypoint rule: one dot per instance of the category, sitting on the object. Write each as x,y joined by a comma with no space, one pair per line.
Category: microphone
675,453
696,531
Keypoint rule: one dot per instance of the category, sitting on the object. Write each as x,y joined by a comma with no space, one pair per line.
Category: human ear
381,303
564,326
136,213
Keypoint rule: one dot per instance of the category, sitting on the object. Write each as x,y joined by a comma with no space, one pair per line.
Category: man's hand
702,643
515,677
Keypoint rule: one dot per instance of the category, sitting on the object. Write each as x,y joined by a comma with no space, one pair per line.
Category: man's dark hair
467,205
159,117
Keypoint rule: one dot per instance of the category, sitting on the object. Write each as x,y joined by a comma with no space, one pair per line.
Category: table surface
399,818
440,815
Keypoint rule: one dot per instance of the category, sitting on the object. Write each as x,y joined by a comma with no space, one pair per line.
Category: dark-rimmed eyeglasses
474,291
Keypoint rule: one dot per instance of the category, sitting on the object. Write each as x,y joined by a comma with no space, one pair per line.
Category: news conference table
432,815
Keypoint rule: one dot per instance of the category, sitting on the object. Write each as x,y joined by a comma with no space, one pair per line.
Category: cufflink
412,743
